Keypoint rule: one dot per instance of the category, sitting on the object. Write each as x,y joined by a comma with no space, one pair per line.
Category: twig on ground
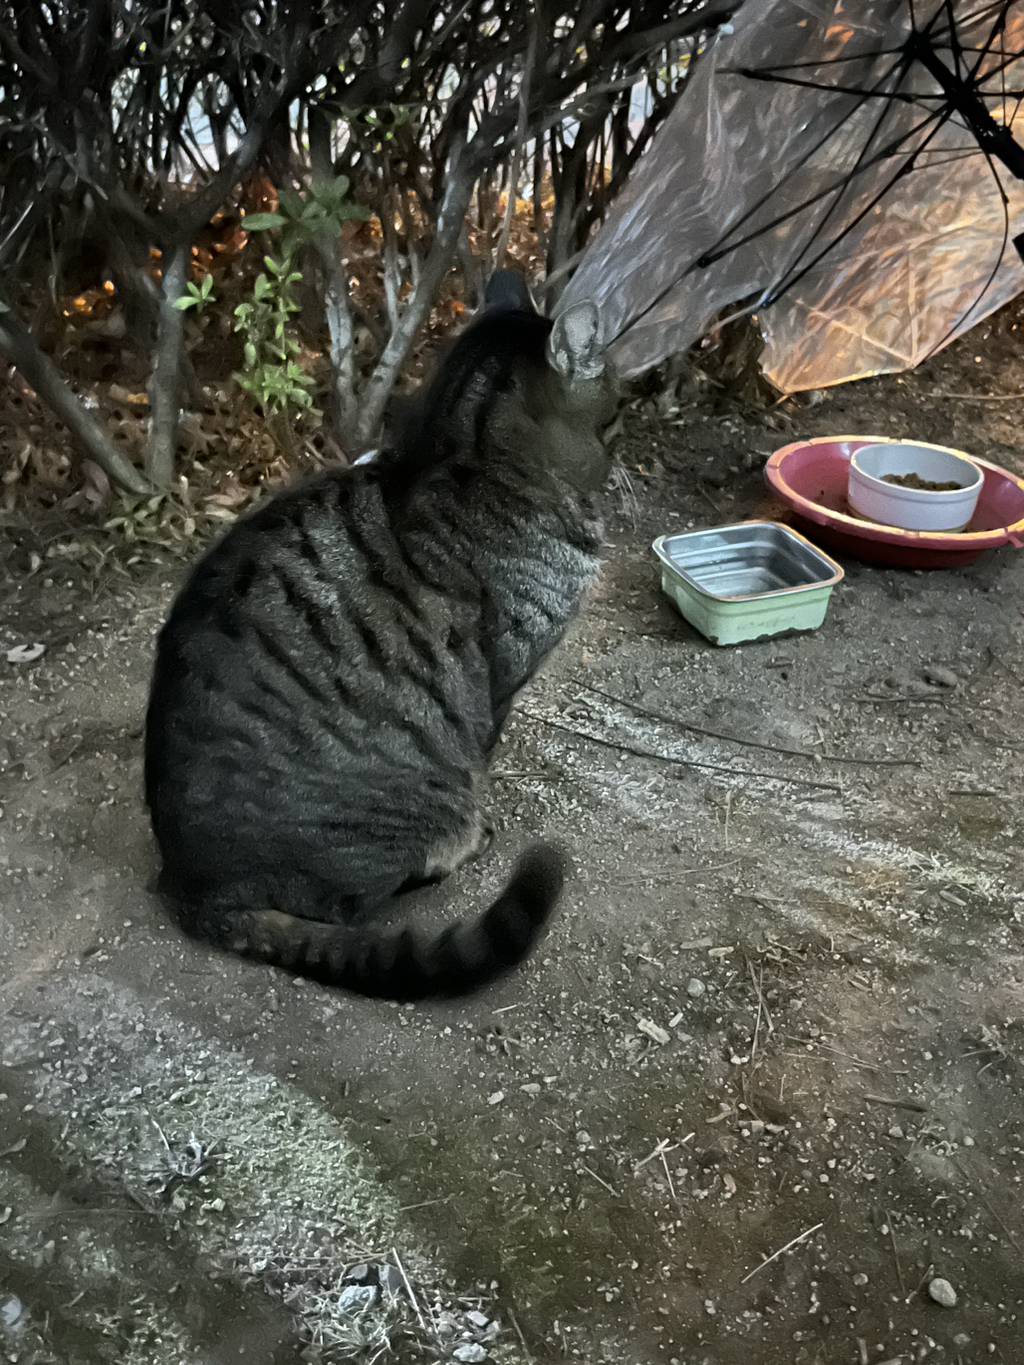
620,747
522,1340
762,1008
985,1200
846,1056
781,1252
895,1254
728,738
914,1106
668,1174
409,1289
1010,672
976,397
873,697
613,1192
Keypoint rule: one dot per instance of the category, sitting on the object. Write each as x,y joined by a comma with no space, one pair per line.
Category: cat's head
578,395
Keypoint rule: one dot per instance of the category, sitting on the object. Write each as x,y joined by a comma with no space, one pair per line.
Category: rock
941,676
940,1291
11,1311
25,654
478,1320
710,1307
860,1279
654,1031
389,1277
359,1274
496,1098
357,1298
469,1353
695,988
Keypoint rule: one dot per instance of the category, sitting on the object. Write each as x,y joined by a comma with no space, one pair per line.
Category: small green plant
272,374
196,296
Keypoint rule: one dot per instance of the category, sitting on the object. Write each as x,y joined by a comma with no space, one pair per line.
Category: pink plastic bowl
811,478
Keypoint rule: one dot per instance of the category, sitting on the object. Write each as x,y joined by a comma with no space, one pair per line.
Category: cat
335,672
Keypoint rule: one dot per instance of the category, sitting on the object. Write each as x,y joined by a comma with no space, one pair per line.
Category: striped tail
399,964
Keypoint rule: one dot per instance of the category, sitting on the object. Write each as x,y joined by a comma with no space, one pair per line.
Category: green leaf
250,354
207,287
291,203
185,301
261,288
273,266
263,222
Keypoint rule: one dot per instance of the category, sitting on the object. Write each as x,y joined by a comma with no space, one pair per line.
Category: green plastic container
747,582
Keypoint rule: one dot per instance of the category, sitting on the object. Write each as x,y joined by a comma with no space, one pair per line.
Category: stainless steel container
747,582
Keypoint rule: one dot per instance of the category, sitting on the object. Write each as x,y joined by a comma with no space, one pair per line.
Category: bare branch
39,372
164,390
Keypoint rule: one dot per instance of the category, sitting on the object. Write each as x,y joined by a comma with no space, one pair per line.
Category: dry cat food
922,485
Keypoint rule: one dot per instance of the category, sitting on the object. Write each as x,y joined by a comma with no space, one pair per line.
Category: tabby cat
337,669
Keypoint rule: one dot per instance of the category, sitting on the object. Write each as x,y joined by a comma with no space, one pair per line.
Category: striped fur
337,669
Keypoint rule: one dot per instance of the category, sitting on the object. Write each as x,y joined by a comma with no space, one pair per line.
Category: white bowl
914,509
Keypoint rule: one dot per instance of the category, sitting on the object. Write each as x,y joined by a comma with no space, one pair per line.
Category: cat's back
302,533
261,626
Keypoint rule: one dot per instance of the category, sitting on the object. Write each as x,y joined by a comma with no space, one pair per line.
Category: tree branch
39,372
450,219
163,430
516,169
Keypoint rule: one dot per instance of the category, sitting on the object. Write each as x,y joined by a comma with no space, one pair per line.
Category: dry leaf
25,654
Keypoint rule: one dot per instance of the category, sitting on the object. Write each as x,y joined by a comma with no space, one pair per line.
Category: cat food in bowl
913,486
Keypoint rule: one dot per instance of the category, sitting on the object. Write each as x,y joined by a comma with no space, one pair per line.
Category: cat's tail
399,964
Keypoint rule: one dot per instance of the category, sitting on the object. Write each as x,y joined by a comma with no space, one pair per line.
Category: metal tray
748,581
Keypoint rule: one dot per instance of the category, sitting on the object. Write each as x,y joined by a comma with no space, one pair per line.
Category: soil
762,1085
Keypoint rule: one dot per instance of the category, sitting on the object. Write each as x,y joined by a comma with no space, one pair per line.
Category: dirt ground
783,1006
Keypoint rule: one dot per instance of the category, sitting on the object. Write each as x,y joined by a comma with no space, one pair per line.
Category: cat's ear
508,289
576,342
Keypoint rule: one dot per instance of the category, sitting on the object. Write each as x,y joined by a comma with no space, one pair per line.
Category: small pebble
478,1320
695,988
357,1298
496,1098
940,676
390,1278
11,1309
469,1353
860,1279
940,1291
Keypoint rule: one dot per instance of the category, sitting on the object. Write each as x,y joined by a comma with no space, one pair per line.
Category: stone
695,988
357,1298
469,1353
390,1279
940,1291
941,676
